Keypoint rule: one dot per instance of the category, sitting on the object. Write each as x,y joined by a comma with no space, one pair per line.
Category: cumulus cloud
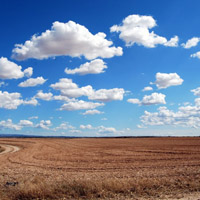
64,84
44,124
78,92
94,67
134,101
32,82
8,124
44,96
71,90
80,105
148,88
164,80
86,126
10,70
28,72
191,43
197,102
13,100
136,29
196,91
100,129
153,99
106,95
141,126
10,100
75,131
25,123
187,116
195,55
70,39
64,126
32,102
62,98
92,112
173,42
103,129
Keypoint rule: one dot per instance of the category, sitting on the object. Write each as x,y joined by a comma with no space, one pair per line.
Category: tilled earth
168,166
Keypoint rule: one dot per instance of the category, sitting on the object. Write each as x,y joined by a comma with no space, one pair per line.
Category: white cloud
64,84
92,112
134,101
187,116
2,83
78,92
135,29
44,124
80,105
148,88
9,125
173,42
75,131
64,126
196,91
13,100
66,39
106,95
71,90
28,72
94,67
32,102
164,80
141,126
10,70
103,129
191,43
86,126
197,102
10,100
62,98
32,82
100,129
44,96
195,55
153,99
25,123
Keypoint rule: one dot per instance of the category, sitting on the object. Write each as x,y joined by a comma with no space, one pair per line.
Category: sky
100,68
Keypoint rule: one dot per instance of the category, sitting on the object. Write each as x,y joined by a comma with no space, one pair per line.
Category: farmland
106,168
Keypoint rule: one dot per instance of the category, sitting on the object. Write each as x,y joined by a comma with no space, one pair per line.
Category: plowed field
108,168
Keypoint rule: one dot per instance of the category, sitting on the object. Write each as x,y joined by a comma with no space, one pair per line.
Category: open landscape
99,100
100,168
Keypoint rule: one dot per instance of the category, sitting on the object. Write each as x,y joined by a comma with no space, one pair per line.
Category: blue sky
100,68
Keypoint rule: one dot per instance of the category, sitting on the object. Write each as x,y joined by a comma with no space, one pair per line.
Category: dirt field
118,168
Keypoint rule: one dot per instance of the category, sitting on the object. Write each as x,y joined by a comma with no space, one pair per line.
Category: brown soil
1,149
125,168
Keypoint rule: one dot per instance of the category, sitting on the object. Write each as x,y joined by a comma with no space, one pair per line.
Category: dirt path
9,148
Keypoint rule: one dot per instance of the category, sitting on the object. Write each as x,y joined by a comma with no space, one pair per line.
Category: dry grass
108,189
147,168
